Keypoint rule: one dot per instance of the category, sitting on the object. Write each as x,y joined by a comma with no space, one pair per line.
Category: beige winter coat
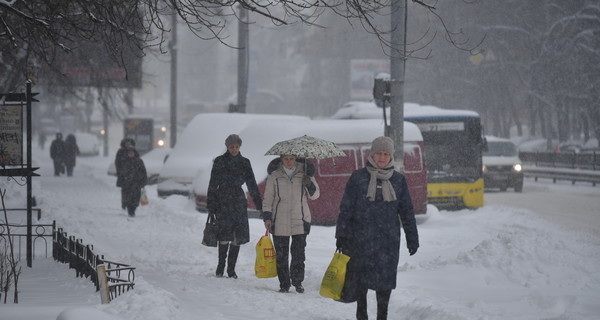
283,199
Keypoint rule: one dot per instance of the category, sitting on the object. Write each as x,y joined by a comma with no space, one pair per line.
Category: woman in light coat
286,215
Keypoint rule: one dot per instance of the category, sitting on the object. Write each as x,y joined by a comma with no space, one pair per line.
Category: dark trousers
383,301
290,274
58,167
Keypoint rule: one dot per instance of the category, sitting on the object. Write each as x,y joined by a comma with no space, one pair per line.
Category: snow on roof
368,110
494,139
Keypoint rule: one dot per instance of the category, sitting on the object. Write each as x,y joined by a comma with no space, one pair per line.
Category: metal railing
81,257
41,233
572,160
569,166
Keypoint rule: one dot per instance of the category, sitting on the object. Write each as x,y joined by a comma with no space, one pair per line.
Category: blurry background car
88,143
501,165
202,140
153,161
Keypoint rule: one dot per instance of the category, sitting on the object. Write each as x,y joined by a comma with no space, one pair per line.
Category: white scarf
386,186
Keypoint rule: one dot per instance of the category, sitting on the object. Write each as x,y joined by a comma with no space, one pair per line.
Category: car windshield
500,148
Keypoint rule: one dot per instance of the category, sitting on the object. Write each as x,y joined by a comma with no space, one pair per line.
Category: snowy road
576,207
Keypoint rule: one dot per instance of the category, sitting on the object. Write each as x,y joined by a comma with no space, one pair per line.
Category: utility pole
173,49
242,90
397,66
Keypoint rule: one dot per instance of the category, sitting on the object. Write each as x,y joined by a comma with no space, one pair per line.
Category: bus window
339,165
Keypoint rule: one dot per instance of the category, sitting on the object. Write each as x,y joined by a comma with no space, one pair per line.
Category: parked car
88,143
354,137
201,141
153,161
501,165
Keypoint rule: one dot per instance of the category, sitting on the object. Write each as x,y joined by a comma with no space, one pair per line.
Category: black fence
41,235
571,160
81,257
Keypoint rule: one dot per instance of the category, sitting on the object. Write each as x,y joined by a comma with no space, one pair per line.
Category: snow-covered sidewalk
497,262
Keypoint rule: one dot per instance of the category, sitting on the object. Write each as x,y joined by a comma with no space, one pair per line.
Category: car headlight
484,169
160,143
517,167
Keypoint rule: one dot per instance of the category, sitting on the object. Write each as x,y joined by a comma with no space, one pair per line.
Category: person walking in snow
286,215
120,158
71,153
133,178
227,201
375,202
57,153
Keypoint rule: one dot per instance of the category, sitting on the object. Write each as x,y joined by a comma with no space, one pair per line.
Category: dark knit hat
382,143
233,139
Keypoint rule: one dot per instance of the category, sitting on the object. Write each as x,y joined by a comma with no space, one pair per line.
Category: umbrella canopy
307,147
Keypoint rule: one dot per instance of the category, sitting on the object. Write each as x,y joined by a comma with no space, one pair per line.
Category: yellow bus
454,143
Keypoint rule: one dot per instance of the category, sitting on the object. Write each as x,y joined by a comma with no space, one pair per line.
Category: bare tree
33,32
11,270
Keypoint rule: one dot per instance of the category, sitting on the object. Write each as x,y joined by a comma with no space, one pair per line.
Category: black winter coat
57,150
372,229
226,198
71,152
133,178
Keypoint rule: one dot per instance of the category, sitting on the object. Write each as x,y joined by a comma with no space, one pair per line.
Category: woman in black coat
376,201
227,201
70,154
132,177
57,153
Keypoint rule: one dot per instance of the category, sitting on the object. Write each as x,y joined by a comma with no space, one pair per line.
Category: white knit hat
382,143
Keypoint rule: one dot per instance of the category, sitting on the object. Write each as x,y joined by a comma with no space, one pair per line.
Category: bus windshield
452,148
501,149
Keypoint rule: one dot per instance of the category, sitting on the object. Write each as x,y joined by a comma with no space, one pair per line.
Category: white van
502,167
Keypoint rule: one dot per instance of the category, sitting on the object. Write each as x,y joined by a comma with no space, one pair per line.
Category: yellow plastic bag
143,197
266,263
333,280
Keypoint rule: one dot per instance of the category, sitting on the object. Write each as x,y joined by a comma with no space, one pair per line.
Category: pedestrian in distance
227,201
133,178
120,158
375,202
286,215
71,153
57,153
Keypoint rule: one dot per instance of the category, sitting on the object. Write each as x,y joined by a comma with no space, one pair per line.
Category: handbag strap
211,218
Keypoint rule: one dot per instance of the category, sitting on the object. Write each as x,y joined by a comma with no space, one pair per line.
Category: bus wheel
519,188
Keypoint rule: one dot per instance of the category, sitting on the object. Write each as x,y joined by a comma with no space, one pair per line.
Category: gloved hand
341,243
306,181
412,250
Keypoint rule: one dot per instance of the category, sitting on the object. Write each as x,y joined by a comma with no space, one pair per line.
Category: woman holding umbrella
286,215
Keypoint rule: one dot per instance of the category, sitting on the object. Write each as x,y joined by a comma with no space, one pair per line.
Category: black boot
131,211
361,305
383,300
222,257
231,260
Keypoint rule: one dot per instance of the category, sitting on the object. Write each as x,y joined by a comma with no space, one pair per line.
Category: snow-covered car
153,161
501,165
88,143
202,140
